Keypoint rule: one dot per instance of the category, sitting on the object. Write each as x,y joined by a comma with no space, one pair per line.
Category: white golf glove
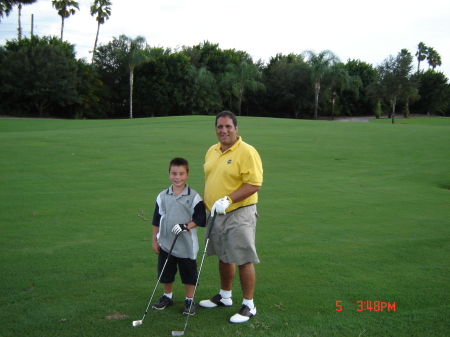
221,205
178,228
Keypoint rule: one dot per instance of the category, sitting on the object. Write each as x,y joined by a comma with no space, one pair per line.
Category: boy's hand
156,247
178,228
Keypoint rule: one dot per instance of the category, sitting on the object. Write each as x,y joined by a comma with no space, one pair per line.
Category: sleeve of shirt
156,215
199,215
252,172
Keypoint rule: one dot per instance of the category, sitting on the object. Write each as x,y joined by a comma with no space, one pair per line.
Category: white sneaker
216,301
243,315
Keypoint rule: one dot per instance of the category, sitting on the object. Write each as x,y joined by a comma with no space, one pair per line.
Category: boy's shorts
188,268
233,236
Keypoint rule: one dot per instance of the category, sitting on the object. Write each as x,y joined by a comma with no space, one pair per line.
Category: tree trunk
62,27
241,93
333,101
95,44
394,102
316,103
41,106
296,112
406,111
40,109
131,93
19,30
378,111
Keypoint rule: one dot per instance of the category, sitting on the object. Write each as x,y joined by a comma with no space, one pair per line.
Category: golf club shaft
180,333
159,278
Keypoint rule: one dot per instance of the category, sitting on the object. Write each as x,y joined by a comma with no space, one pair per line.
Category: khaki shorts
232,236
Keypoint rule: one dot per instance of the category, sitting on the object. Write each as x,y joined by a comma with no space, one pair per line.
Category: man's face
226,131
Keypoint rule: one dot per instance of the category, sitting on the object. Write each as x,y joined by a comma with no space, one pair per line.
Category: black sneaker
163,302
189,307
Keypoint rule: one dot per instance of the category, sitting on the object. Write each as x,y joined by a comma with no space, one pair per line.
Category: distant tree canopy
395,80
434,93
42,77
128,78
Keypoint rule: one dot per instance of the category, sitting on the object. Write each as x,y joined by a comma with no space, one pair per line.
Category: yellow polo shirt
228,172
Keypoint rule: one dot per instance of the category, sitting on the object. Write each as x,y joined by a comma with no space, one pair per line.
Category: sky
369,31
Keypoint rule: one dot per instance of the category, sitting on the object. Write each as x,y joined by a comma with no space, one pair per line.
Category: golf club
181,333
136,323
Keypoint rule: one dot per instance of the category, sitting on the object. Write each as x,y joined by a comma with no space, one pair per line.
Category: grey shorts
232,236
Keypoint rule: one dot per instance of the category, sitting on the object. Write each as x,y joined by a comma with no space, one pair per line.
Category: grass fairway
348,212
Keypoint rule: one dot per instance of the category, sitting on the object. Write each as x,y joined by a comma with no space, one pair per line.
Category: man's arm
246,191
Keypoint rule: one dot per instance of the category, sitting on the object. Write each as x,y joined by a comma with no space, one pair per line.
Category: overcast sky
352,29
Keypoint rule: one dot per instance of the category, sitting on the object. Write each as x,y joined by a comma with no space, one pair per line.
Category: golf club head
136,323
177,333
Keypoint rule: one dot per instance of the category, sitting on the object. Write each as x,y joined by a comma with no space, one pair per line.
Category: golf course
353,231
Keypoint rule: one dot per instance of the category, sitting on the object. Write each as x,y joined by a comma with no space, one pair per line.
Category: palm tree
135,53
19,4
203,93
64,10
103,10
320,65
5,7
240,77
340,80
421,54
433,58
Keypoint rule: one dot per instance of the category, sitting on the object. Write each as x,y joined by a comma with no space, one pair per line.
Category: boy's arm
191,224
155,222
199,216
155,245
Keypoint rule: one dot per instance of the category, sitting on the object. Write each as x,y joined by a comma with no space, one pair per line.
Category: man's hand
221,205
178,228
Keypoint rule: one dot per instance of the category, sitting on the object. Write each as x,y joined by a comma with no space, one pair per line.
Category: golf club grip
173,244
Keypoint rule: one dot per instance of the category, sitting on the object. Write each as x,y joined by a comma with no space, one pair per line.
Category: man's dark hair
227,113
179,162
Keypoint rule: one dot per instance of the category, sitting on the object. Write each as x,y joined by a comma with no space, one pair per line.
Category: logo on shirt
229,161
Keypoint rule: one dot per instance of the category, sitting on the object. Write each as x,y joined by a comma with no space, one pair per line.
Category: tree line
41,76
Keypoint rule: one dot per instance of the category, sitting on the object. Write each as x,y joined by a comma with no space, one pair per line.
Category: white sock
168,295
225,293
248,303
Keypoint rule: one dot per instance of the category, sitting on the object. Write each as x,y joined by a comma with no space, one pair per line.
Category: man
233,176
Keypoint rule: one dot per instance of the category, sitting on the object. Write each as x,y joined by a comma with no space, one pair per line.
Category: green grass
348,212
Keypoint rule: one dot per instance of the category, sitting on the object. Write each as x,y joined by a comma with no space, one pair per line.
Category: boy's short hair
179,162
229,114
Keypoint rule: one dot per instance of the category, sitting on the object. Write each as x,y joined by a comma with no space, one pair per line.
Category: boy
179,210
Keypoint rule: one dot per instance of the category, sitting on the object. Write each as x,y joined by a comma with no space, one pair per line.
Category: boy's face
178,175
